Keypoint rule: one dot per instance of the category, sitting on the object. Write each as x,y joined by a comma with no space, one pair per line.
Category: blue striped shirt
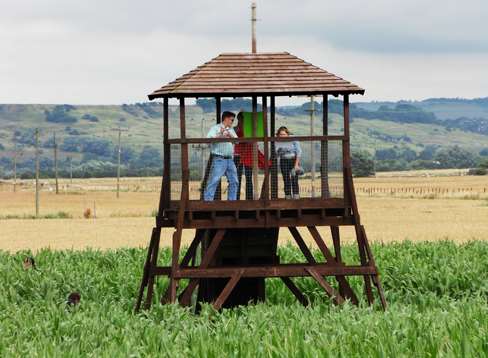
224,149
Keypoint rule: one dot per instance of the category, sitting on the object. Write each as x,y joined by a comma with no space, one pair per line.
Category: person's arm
215,132
298,153
212,133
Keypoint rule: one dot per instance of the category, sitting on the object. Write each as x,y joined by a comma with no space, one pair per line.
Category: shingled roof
263,73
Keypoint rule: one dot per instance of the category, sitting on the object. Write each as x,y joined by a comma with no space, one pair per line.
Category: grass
437,295
57,215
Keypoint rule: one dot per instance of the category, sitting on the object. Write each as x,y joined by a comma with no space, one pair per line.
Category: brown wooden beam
207,259
302,245
282,270
324,152
266,150
344,287
255,168
256,139
227,290
218,114
272,221
283,204
336,297
295,290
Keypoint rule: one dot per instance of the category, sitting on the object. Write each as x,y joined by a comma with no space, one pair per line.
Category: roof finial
253,22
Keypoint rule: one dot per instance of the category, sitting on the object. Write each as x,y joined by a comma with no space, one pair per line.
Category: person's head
227,118
283,132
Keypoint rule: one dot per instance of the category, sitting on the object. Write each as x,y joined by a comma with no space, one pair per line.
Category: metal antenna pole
37,172
253,25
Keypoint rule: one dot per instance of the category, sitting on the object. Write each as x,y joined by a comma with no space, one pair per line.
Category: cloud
118,51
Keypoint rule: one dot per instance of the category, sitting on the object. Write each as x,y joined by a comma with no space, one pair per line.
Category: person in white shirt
222,159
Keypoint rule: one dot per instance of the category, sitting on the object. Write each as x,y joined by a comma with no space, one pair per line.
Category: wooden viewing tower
236,241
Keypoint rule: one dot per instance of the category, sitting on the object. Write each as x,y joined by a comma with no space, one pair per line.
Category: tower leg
375,278
151,260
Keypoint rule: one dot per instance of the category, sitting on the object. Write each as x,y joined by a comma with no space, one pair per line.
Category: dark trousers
290,182
248,174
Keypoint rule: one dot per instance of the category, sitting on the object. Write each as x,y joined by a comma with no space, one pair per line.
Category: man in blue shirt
222,159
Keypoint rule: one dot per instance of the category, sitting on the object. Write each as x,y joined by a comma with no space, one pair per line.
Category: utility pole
119,130
70,170
17,153
37,172
56,163
312,144
253,25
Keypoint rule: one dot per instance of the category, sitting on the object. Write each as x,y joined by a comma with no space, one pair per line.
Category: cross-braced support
207,269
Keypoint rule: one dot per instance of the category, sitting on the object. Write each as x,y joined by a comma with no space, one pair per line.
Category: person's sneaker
296,196
287,196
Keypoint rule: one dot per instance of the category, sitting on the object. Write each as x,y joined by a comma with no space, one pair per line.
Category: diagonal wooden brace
227,290
336,297
185,297
343,283
295,290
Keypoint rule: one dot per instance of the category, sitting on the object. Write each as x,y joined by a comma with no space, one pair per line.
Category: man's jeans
221,167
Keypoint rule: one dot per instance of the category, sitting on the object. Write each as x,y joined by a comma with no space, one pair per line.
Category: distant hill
85,133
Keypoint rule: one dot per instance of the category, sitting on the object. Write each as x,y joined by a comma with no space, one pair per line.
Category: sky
118,51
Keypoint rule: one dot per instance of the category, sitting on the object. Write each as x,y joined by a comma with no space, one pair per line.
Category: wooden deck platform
258,213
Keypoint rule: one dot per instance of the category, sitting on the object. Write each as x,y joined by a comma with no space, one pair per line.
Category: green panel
248,124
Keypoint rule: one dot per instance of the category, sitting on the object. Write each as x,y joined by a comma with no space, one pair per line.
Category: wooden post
312,144
324,160
118,166
71,170
266,149
119,130
274,160
56,163
255,167
218,114
165,197
17,153
37,172
185,174
346,155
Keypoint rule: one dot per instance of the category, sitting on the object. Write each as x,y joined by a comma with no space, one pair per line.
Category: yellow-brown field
457,209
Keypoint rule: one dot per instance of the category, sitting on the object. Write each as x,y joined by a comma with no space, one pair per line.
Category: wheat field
459,211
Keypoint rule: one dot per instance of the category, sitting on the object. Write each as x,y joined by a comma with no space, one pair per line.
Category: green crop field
437,295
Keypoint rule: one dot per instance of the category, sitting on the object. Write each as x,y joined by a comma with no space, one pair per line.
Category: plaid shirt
224,149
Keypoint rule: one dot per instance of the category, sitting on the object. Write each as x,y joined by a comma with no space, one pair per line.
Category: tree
428,152
60,114
386,154
149,157
126,155
455,157
408,154
362,164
